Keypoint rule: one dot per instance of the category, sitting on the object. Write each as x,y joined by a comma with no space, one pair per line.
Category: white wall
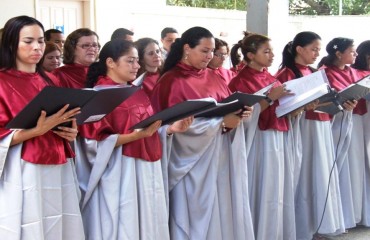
11,8
148,17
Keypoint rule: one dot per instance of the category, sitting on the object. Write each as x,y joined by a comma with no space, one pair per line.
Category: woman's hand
350,105
247,112
232,120
312,105
150,130
180,126
138,134
278,92
69,133
45,124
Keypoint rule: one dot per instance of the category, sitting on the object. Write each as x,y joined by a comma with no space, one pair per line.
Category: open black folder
178,111
233,103
332,103
205,107
95,103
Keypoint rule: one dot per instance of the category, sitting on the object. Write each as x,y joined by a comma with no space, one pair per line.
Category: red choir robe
150,80
224,73
287,74
339,79
72,75
133,110
17,89
362,73
250,80
184,82
238,67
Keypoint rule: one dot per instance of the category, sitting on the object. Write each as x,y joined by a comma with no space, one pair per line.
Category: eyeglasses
89,45
221,55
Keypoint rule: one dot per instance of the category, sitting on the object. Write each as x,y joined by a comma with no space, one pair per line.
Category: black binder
355,91
178,111
95,103
205,107
233,103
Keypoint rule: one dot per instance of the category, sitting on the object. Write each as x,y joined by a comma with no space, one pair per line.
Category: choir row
246,175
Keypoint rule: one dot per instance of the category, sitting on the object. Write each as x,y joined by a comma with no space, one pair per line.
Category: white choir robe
123,197
208,183
37,201
318,169
342,132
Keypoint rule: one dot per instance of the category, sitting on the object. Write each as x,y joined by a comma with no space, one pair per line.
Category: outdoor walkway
358,233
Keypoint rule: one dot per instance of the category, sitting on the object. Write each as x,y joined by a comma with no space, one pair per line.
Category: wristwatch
269,100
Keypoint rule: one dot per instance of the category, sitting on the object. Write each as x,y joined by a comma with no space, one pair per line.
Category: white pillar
267,16
270,17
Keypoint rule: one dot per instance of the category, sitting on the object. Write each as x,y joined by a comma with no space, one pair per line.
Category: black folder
233,103
95,103
178,111
355,91
205,107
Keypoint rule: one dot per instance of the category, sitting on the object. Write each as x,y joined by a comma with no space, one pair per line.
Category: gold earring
186,56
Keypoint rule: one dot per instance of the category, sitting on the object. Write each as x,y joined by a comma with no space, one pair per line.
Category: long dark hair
337,44
362,61
113,49
10,41
192,36
235,56
302,39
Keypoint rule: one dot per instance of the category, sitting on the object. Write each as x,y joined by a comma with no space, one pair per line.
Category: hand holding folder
95,103
177,112
204,107
332,103
305,90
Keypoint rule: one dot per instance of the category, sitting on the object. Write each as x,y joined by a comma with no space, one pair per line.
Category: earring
186,57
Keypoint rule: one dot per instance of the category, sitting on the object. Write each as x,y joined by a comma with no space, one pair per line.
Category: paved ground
358,233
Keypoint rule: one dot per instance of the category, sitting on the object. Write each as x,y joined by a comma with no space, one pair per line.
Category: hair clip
335,46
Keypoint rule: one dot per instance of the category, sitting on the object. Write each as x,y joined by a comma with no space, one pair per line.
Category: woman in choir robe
316,149
81,49
150,60
221,53
362,66
119,169
52,57
207,172
270,186
347,129
39,193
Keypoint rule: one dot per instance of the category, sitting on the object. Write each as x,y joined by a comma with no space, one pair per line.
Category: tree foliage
296,7
218,4
329,7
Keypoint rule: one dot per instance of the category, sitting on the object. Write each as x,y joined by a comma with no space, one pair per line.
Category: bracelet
269,100
224,129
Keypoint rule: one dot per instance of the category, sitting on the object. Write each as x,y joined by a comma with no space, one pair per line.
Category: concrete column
270,18
267,16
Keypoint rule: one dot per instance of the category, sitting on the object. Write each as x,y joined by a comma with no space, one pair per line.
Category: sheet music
303,85
264,90
364,81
